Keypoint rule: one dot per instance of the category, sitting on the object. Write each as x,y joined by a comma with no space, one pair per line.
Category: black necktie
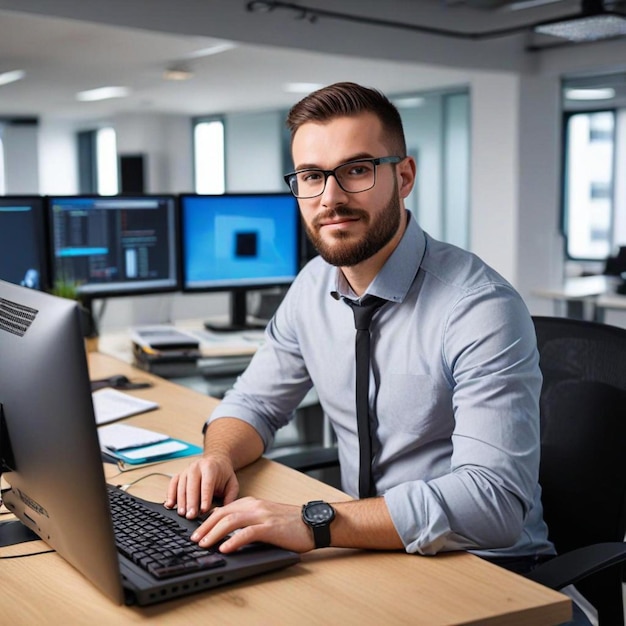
363,314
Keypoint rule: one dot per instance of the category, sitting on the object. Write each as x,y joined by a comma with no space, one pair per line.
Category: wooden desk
331,586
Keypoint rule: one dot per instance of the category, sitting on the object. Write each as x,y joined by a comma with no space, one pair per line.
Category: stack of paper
134,445
110,405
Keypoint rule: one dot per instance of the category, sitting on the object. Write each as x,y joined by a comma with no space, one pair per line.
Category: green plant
65,289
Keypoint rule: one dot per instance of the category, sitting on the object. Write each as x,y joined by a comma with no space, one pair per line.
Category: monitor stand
12,531
238,316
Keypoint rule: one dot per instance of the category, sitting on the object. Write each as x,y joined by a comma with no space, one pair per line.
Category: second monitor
23,245
238,242
114,245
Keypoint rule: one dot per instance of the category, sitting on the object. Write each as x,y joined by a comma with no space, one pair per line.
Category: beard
343,251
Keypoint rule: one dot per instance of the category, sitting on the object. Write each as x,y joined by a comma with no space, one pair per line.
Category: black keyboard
154,541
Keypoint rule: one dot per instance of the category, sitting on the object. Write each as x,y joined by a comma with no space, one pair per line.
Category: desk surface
611,301
578,287
212,345
328,586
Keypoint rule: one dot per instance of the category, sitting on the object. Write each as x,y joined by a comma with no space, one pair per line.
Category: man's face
348,228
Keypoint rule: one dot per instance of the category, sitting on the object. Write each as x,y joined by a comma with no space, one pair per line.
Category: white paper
123,436
110,404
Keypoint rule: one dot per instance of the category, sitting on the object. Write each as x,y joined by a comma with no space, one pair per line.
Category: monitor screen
23,252
49,450
236,242
114,246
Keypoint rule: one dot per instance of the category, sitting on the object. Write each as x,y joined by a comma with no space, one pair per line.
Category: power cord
23,556
127,486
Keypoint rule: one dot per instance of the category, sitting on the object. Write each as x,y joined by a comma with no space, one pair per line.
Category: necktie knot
364,311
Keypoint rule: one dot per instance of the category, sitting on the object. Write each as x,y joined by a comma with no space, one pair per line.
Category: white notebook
110,405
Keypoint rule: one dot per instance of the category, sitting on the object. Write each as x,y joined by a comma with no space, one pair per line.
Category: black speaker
132,173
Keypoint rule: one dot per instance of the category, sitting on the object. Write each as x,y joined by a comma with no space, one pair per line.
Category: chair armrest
309,460
569,568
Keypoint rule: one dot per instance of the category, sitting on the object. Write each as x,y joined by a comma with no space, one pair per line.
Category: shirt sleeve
488,350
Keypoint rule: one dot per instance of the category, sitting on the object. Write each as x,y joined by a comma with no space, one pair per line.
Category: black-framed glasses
353,177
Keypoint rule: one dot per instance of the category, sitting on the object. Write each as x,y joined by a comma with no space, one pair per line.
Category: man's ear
407,170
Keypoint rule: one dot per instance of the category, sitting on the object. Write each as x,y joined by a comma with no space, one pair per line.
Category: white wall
166,142
253,152
540,258
21,162
494,171
58,165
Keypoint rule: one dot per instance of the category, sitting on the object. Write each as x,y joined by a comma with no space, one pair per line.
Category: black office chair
583,459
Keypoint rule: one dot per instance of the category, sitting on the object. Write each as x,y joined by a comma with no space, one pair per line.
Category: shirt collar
398,273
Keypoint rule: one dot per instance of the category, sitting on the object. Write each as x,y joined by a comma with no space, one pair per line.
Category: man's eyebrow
307,166
315,166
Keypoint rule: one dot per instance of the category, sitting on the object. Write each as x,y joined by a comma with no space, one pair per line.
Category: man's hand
192,491
229,445
255,520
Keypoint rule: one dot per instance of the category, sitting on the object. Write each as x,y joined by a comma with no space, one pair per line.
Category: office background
514,108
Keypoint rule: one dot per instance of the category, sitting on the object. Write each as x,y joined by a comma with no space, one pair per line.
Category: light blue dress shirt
454,384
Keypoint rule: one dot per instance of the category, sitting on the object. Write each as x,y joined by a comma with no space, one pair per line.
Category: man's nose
333,193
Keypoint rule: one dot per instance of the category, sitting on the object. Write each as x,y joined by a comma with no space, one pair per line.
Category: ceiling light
602,93
211,50
102,93
11,77
301,87
260,6
522,5
409,102
178,72
587,28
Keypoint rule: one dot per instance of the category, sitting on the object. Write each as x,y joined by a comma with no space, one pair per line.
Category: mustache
335,213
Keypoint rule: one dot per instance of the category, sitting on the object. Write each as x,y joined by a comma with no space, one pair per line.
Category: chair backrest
583,442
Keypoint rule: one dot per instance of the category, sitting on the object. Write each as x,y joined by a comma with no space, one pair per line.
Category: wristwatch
318,515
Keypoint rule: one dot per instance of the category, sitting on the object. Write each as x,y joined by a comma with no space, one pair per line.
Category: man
454,380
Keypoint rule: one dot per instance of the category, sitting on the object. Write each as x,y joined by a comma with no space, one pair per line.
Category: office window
106,162
589,174
97,161
209,170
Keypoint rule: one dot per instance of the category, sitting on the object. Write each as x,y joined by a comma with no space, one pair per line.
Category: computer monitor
23,243
114,245
239,242
49,450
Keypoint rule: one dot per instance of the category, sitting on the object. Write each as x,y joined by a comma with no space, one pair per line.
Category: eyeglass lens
352,177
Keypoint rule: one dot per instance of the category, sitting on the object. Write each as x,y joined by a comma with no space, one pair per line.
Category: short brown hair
344,100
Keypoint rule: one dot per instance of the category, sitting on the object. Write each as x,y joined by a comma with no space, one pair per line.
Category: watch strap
321,536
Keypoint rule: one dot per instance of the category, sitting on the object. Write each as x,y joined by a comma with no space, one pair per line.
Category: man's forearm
364,524
234,438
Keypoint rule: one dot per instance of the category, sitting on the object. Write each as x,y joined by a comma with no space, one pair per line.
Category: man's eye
310,177
359,169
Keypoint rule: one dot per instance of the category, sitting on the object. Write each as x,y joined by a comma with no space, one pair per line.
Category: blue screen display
23,255
239,240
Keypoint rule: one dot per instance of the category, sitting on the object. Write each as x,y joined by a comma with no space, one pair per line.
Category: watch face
319,512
